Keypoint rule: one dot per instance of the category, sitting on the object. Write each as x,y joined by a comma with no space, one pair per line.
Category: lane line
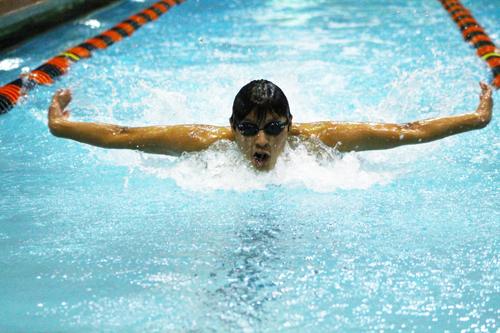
477,37
59,65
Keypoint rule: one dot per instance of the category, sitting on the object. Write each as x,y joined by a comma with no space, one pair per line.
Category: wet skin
262,149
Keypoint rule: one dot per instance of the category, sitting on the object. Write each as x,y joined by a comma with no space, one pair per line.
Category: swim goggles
272,128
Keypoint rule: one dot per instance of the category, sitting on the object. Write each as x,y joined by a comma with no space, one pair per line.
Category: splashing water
308,164
114,240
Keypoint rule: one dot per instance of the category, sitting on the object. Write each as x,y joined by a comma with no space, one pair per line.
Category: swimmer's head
261,96
260,121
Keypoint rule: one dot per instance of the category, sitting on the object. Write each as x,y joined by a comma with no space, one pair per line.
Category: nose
261,139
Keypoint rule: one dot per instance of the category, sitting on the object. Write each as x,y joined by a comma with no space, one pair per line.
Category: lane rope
59,65
477,37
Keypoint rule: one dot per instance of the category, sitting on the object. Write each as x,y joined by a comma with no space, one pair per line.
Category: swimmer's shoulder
211,132
331,133
308,130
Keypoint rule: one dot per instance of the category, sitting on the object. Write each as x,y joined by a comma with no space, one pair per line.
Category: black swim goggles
272,128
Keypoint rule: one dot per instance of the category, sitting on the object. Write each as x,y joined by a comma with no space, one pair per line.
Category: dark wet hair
262,96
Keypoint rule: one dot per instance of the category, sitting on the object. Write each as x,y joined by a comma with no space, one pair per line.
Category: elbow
115,141
413,133
116,137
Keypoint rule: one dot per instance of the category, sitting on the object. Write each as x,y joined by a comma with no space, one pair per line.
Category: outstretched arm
170,140
371,136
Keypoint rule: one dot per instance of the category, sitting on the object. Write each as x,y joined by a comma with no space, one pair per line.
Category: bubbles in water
410,93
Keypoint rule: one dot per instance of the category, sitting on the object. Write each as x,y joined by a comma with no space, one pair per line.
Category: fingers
60,100
486,90
484,110
63,97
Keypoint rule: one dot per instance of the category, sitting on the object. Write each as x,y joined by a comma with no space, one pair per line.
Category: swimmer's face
263,148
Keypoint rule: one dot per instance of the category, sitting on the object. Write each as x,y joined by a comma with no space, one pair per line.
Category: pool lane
59,65
476,36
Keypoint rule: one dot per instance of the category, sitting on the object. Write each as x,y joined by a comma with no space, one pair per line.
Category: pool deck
22,19
9,6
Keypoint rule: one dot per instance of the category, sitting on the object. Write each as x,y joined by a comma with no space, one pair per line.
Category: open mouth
260,158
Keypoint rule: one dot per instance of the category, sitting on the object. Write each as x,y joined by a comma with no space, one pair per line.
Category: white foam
222,167
93,23
162,100
10,64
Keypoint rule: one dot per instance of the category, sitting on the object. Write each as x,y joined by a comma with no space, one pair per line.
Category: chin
263,167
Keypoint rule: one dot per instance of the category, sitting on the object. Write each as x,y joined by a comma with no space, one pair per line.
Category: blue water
404,240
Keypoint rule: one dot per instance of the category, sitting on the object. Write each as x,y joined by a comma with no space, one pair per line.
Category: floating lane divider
476,36
59,65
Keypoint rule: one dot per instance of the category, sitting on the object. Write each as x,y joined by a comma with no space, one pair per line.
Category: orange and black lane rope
475,34
60,64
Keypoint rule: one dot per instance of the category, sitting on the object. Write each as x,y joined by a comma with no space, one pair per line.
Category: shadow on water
247,282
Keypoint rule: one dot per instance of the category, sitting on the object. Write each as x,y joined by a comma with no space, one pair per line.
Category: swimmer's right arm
169,140
347,136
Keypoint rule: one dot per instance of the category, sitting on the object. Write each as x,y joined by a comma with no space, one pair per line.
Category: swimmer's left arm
371,136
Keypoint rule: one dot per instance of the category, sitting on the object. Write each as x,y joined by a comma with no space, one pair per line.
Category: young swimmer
261,124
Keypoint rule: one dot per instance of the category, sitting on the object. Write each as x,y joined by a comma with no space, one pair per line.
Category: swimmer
261,124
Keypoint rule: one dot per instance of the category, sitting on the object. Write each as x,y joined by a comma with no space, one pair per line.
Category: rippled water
119,241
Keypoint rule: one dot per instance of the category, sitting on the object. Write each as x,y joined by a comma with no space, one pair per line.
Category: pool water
403,240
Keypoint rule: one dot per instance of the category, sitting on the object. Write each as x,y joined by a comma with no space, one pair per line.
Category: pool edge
22,22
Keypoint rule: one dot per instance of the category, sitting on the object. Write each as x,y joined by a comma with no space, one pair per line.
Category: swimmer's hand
169,140
57,110
484,110
371,136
